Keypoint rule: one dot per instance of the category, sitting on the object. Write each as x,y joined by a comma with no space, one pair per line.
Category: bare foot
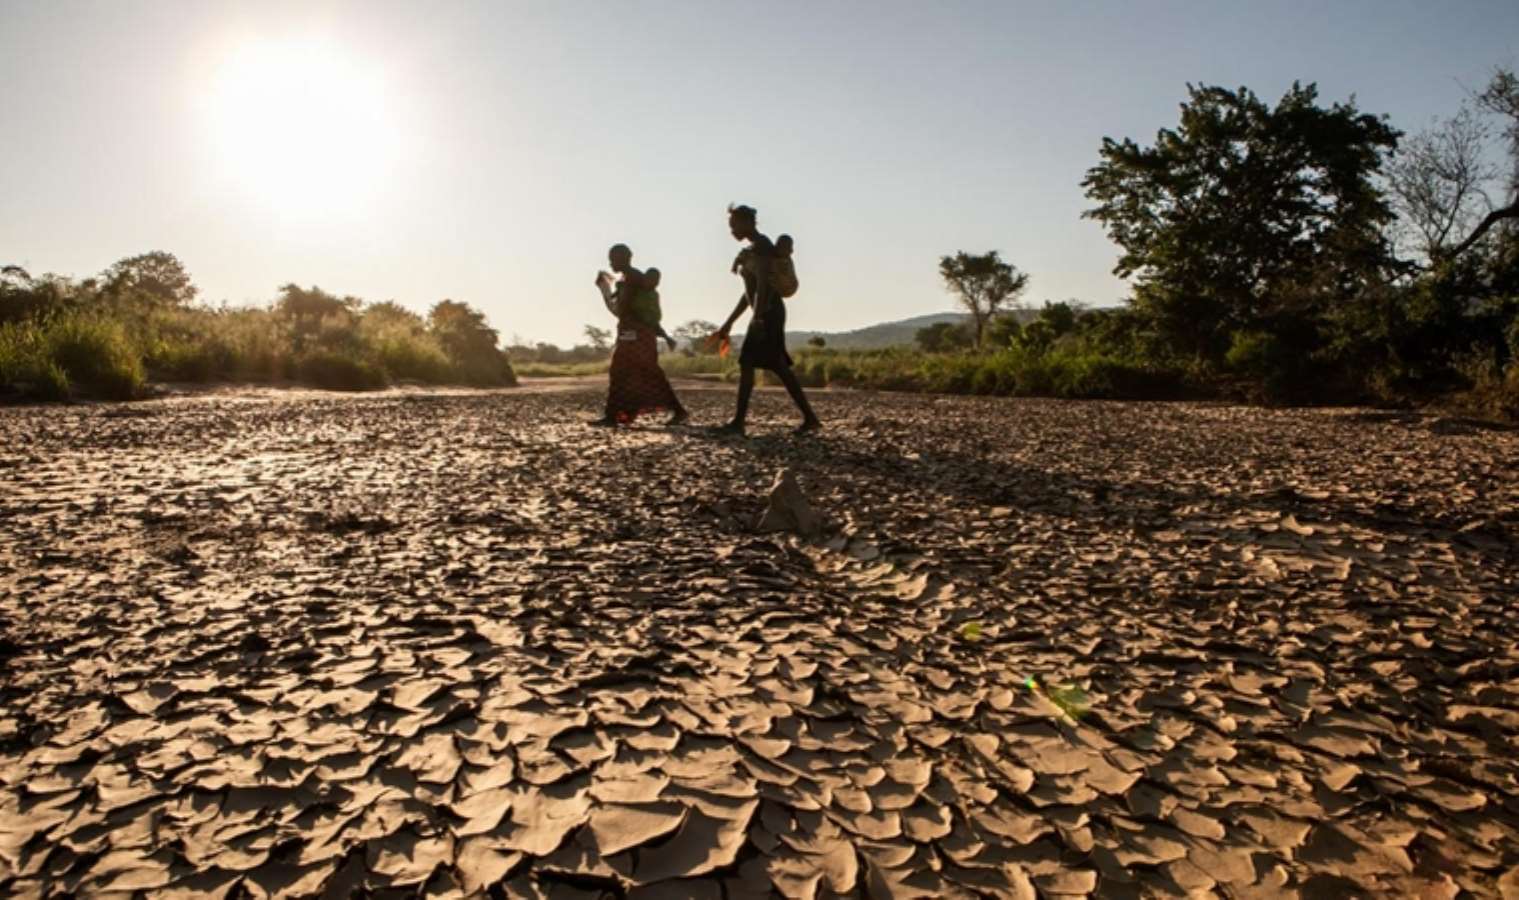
678,418
810,425
732,428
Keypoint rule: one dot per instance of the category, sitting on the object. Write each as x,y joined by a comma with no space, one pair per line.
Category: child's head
651,277
783,245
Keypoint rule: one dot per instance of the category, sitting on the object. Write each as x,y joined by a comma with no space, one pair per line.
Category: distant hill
887,334
874,337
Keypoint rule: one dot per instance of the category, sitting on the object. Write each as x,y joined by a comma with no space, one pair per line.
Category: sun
300,125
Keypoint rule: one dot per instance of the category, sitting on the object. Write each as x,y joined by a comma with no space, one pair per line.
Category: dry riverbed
286,644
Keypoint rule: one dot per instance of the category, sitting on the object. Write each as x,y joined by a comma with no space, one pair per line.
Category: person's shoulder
762,245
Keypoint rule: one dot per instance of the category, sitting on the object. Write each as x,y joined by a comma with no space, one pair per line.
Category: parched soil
461,643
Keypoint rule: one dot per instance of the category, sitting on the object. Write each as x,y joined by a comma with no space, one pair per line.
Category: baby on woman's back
644,307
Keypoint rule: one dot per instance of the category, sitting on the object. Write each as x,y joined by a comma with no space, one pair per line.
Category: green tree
694,332
158,277
943,337
312,303
470,343
1062,316
23,297
817,341
1003,331
983,283
599,338
1246,213
317,317
391,313
1055,321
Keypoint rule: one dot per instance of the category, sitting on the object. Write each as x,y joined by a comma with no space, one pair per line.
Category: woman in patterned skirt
636,383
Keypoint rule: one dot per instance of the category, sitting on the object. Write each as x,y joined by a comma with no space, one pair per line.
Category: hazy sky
490,152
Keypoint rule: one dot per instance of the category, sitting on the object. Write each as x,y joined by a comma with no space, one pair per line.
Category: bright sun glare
301,125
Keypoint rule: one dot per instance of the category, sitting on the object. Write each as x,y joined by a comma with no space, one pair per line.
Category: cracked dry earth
463,644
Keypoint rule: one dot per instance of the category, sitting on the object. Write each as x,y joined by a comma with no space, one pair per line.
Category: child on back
644,306
782,269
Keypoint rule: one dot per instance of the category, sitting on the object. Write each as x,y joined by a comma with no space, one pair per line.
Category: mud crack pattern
461,644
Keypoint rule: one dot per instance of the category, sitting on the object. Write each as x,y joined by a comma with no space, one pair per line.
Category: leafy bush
1276,371
484,370
403,348
1494,391
51,359
336,371
23,369
182,359
95,354
105,335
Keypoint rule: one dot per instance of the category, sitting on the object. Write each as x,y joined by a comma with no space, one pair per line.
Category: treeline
1289,252
108,336
1294,252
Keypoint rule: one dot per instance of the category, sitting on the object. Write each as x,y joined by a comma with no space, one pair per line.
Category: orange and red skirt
637,384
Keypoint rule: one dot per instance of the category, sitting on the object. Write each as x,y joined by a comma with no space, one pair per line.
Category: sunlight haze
490,152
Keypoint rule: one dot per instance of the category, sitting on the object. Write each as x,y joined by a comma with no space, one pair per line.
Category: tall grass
113,353
96,354
1493,391
1064,370
25,367
404,352
563,370
70,354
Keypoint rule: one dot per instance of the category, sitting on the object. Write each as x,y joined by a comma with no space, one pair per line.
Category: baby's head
651,277
783,245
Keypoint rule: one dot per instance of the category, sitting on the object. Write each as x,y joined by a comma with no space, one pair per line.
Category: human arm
604,284
754,267
743,304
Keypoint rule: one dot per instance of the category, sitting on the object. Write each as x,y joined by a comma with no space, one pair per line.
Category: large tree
157,276
1501,98
461,328
1439,180
313,304
1245,213
600,339
694,332
470,343
389,312
983,283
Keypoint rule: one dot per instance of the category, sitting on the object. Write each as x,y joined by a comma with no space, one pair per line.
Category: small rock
788,509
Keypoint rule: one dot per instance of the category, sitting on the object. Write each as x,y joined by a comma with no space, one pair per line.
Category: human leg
741,412
810,421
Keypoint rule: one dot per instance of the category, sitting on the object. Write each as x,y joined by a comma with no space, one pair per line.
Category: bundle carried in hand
718,343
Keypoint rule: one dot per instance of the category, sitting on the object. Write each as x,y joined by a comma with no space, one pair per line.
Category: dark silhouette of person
635,382
765,340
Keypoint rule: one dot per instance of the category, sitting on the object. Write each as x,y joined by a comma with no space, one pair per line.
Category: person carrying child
769,276
644,307
635,382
